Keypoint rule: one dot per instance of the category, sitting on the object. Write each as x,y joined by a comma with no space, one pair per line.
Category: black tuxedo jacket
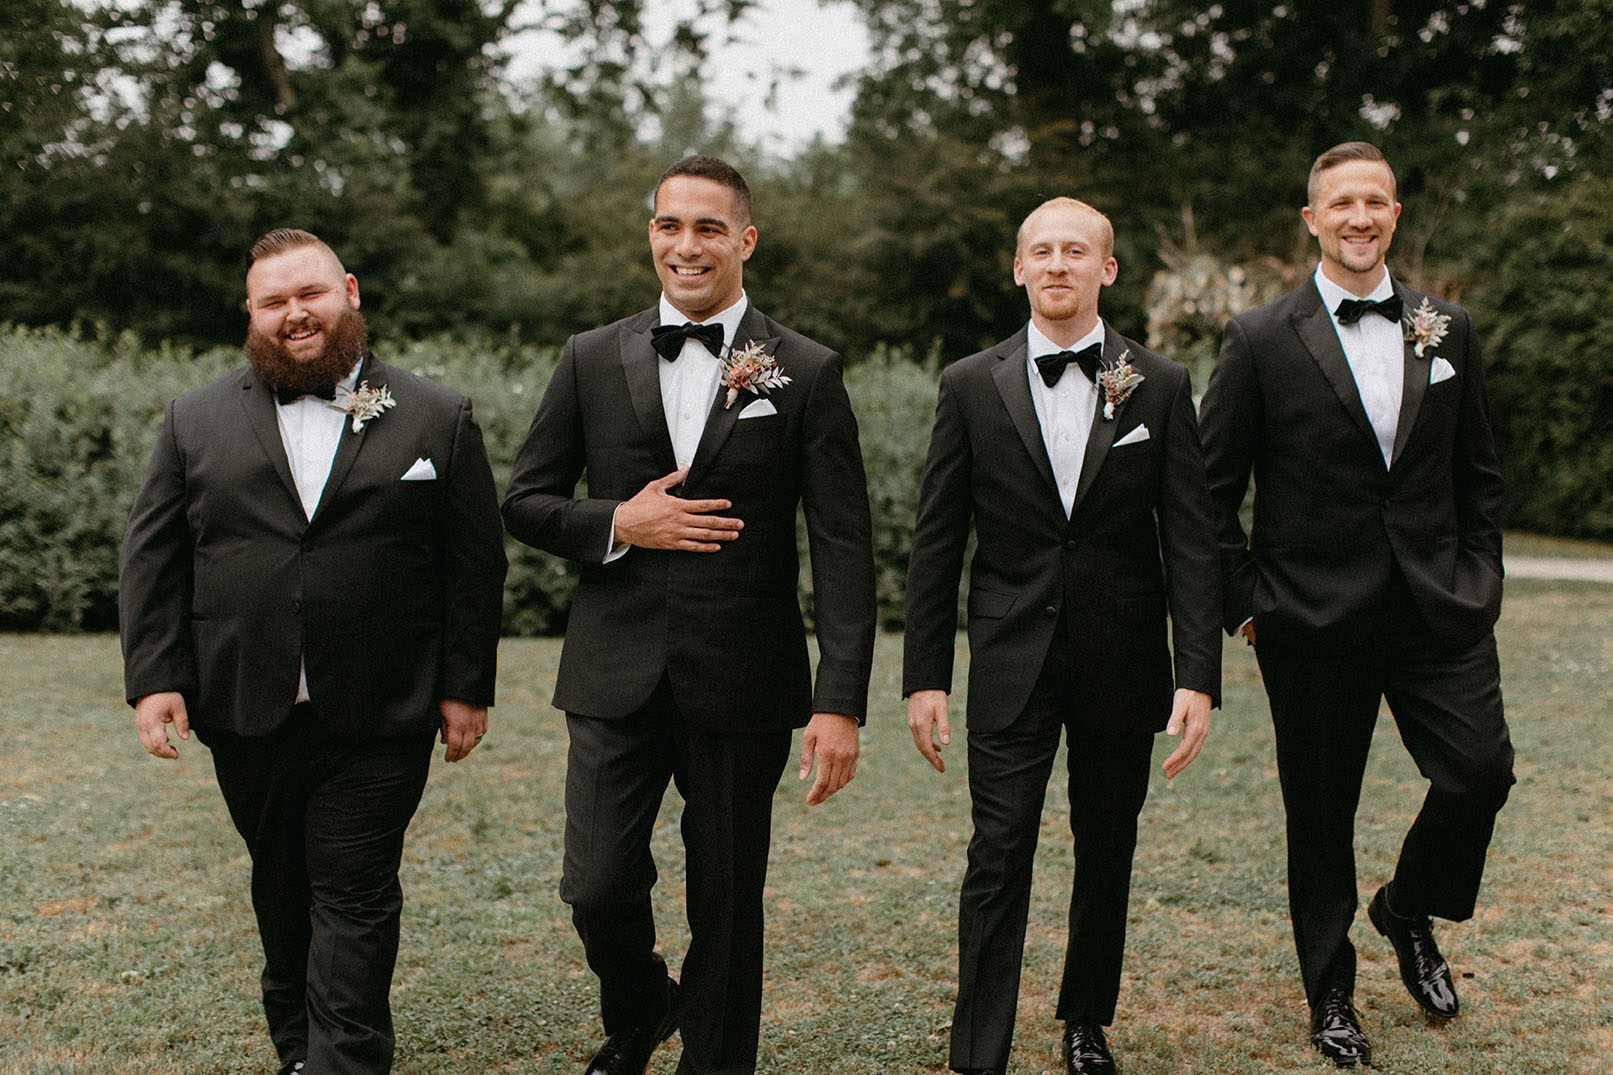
391,593
1140,542
1330,518
724,627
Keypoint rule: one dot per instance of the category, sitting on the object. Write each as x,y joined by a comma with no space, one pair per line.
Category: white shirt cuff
615,550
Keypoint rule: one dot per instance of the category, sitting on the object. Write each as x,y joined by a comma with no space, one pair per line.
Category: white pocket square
1136,436
422,471
757,408
1440,371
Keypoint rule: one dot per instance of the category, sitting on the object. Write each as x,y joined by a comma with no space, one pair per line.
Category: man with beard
312,580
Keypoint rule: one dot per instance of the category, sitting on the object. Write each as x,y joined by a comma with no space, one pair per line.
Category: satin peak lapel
1013,385
720,421
257,400
1321,339
347,447
640,365
1102,436
1415,386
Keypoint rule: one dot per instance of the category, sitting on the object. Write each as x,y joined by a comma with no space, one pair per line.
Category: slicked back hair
717,170
281,240
1343,153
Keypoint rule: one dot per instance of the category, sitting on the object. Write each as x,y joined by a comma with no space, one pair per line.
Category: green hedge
77,420
1543,313
78,417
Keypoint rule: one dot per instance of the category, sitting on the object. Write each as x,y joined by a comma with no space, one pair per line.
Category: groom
1373,572
1076,455
701,425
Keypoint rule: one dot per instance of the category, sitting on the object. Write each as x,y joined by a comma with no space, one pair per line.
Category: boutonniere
1426,326
750,369
364,403
1118,382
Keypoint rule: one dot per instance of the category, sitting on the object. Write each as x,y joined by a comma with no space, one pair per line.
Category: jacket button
1050,612
296,606
1069,543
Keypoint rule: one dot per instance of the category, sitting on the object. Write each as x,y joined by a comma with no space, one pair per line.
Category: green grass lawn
127,942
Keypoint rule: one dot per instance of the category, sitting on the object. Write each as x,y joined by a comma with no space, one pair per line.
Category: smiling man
273,496
1372,572
701,426
1074,454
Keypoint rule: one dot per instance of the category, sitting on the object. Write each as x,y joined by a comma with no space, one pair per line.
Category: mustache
346,342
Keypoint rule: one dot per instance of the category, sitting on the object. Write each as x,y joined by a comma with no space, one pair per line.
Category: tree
180,129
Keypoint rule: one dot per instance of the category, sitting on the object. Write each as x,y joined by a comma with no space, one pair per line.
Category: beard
348,340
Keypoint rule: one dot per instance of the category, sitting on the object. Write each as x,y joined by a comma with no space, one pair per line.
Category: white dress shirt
1065,411
688,389
1376,350
689,385
310,429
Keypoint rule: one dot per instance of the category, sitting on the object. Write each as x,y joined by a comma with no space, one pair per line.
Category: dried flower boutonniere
750,369
364,403
1117,383
1425,326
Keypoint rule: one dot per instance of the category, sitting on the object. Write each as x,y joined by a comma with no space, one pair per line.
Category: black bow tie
668,339
1352,310
284,396
1089,358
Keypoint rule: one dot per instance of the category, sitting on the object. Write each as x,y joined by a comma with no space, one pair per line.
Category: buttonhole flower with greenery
750,369
1118,382
1425,326
364,404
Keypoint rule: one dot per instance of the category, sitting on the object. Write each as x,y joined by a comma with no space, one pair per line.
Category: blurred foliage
77,421
1550,367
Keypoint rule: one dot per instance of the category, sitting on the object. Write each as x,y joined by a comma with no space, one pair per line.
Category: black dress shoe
292,1067
1336,1031
1084,1050
1423,970
627,1052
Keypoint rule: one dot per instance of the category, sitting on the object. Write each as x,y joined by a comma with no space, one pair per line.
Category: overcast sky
824,40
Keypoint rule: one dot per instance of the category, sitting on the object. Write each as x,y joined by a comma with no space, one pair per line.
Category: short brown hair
1341,154
281,240
717,170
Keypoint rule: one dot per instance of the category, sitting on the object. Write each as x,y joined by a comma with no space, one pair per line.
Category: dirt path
1541,567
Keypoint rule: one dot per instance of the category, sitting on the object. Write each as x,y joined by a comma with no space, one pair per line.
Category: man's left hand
832,739
1190,709
463,726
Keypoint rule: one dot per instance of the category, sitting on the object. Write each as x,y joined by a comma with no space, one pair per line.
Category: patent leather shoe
293,1067
1423,970
1336,1031
1084,1050
627,1052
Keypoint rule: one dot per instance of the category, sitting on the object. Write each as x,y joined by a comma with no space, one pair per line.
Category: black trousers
324,820
617,772
1008,775
1324,706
